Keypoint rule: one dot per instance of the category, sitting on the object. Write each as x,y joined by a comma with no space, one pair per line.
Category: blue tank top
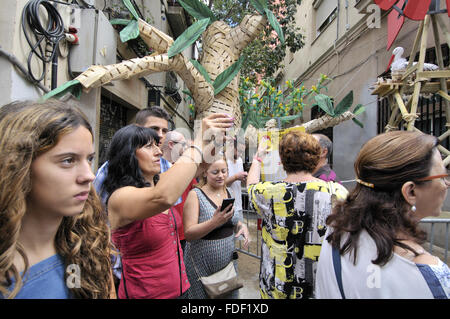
44,280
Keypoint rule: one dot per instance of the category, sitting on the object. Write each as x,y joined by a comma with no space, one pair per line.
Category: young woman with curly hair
373,248
293,212
54,238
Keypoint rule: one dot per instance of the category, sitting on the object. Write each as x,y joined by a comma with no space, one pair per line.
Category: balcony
178,19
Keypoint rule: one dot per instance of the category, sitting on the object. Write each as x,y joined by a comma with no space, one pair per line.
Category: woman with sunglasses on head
54,238
374,243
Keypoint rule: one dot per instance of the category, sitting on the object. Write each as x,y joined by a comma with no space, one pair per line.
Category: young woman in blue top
54,239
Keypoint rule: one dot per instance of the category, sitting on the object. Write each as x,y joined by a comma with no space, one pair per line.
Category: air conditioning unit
96,40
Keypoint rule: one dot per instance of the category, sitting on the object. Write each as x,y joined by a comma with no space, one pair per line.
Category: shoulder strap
338,270
123,277
178,251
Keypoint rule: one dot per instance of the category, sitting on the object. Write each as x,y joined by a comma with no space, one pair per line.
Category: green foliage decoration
188,37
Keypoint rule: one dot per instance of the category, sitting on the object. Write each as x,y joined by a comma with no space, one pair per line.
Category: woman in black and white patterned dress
210,232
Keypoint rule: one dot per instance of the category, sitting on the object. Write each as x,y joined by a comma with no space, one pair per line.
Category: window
325,13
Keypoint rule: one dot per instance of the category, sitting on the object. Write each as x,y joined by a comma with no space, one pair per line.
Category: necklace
219,194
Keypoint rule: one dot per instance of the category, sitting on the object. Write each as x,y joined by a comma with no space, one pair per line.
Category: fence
252,221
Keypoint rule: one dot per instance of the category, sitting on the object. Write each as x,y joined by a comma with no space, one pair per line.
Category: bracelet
198,150
259,159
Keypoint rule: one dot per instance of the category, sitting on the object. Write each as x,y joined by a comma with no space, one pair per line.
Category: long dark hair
387,161
123,166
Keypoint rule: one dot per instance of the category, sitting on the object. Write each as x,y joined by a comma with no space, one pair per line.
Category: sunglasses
445,178
183,144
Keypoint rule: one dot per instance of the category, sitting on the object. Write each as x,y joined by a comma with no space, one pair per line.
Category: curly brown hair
387,161
299,152
29,129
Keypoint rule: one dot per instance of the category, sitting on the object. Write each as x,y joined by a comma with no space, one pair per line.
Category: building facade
347,41
111,106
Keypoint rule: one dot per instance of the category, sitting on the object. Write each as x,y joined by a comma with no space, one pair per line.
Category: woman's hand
263,147
210,138
221,217
243,230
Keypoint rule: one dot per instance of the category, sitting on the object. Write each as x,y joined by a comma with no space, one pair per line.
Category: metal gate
113,116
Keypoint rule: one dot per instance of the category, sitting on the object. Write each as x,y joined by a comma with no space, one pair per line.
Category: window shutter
323,11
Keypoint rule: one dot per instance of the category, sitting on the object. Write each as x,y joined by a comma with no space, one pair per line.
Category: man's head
326,145
156,118
173,146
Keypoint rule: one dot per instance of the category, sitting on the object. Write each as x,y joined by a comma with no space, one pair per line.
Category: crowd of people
150,223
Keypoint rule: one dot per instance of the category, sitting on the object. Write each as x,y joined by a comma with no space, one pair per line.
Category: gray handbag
220,283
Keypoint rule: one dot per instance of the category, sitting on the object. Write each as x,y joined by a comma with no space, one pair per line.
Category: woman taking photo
293,212
374,234
54,239
209,231
144,227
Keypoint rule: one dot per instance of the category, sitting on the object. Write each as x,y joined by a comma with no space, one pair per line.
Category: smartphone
226,202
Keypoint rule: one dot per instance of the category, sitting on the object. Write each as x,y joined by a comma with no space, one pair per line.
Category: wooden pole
444,29
418,83
440,61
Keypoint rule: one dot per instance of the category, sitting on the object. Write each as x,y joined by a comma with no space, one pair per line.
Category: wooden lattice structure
222,46
414,81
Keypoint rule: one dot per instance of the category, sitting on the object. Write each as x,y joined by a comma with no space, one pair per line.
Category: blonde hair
29,129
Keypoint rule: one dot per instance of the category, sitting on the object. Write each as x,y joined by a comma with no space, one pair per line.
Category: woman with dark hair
144,227
373,248
294,212
54,238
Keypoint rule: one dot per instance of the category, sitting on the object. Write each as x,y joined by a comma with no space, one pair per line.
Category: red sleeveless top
149,249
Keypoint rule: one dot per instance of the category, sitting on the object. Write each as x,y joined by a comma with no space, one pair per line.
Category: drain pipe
337,22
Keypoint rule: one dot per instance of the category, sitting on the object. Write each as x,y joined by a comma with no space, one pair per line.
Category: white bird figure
397,63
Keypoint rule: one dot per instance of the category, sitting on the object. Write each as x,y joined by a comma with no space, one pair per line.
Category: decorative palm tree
213,80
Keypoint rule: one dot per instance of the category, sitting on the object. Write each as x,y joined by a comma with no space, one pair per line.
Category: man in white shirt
236,173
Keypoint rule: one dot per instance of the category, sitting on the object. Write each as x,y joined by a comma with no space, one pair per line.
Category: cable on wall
52,33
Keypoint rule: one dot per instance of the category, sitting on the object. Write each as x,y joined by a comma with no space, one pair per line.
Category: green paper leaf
188,93
198,10
290,117
325,103
358,123
131,8
345,104
359,109
119,21
73,87
202,70
130,32
260,5
224,78
245,121
189,36
275,24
